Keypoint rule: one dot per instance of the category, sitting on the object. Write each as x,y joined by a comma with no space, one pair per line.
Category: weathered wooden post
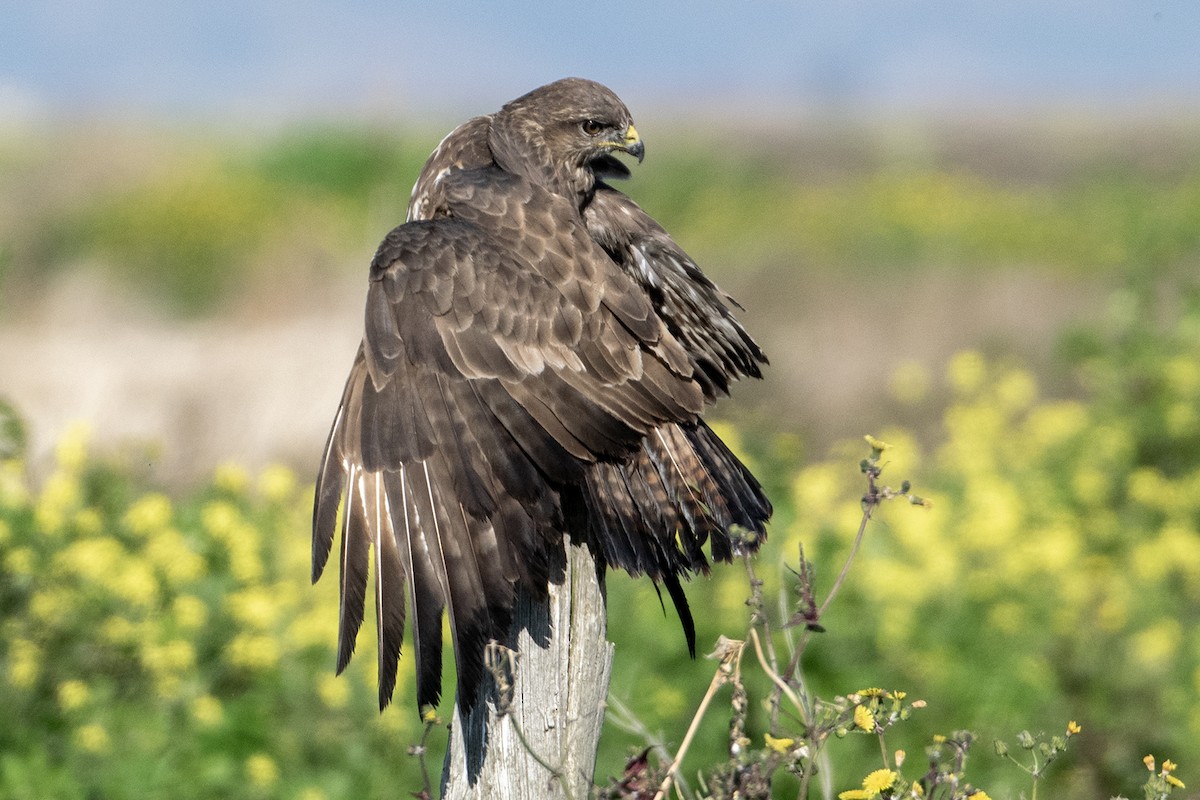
545,745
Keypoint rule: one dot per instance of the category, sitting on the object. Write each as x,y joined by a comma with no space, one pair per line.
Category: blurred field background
1008,295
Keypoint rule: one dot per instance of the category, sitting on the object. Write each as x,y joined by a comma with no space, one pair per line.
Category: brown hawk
536,358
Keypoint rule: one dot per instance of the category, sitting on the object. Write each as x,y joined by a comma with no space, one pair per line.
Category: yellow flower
206,710
780,746
149,513
864,719
1171,779
71,452
879,780
72,695
189,611
262,771
1073,728
92,738
256,608
1169,766
252,651
1149,762
231,477
277,483
980,795
878,445
333,692
21,561
24,665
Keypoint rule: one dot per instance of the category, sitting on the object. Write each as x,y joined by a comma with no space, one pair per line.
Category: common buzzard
537,355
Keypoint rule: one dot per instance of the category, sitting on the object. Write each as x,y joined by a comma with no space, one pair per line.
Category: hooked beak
631,143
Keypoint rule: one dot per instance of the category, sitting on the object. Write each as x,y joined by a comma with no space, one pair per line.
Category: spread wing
527,370
505,356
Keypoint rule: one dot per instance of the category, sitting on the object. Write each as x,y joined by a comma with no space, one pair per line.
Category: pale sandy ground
261,383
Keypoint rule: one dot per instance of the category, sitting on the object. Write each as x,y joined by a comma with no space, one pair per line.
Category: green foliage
154,649
195,234
190,236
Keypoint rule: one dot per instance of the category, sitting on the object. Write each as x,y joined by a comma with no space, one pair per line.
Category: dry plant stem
718,679
870,501
760,617
868,509
774,676
624,718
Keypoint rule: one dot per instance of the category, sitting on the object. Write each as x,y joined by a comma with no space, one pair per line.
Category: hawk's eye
592,126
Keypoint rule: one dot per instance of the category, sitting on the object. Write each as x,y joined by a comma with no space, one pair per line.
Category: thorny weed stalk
800,723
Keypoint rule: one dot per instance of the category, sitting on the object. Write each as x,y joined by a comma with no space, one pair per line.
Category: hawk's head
559,132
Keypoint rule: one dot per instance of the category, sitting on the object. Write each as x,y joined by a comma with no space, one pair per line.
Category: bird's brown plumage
536,357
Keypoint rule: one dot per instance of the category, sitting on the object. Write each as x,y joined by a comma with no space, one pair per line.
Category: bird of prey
537,355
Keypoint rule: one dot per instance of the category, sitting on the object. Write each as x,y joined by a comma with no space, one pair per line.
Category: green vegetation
1056,577
218,215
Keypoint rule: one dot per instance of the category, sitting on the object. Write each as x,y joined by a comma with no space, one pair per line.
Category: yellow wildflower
231,477
262,771
1073,728
333,692
71,451
780,746
92,738
864,719
21,561
1149,762
149,513
277,483
72,695
24,665
252,651
879,780
980,795
878,445
1171,779
206,710
189,612
1169,766
255,608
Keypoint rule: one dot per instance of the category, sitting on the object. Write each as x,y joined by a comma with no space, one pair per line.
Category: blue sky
247,59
